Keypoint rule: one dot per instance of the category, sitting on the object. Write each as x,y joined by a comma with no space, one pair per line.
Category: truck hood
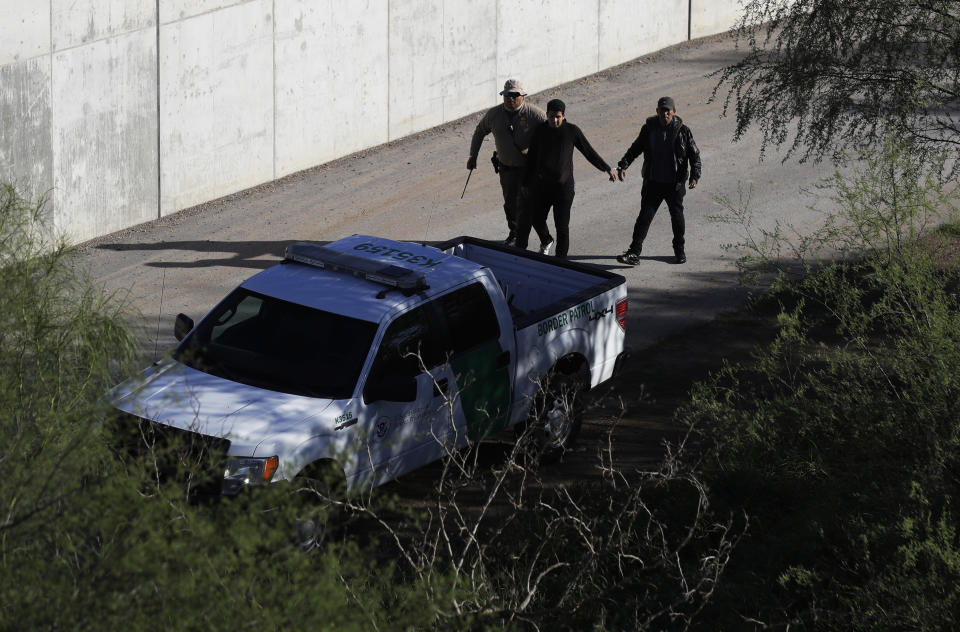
179,396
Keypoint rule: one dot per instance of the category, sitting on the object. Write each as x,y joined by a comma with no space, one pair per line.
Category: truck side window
471,319
406,342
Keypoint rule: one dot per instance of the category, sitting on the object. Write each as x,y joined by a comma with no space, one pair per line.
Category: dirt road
410,189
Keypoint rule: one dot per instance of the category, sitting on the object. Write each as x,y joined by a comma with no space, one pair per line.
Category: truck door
480,357
407,396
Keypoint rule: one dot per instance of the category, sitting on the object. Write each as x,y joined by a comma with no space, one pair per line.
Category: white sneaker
546,247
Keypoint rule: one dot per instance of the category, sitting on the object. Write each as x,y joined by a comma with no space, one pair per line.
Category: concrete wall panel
708,17
546,42
24,30
216,104
443,63
331,80
174,10
76,22
627,32
470,77
417,59
104,134
25,152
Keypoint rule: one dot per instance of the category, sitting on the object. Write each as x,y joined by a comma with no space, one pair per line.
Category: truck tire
320,485
556,416
323,480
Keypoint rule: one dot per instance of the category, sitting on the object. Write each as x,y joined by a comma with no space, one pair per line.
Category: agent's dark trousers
513,201
546,195
651,195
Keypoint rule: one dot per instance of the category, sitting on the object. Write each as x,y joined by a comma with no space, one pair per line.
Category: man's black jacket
685,149
550,157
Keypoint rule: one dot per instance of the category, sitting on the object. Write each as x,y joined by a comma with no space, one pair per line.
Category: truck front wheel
321,488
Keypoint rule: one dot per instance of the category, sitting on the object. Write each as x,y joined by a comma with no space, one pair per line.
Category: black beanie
556,105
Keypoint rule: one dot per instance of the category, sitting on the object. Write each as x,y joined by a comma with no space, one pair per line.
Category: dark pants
651,195
513,200
543,196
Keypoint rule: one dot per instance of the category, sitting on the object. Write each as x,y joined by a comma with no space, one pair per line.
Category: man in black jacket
549,177
668,148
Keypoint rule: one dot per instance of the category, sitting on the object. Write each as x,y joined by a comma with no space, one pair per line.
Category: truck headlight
248,470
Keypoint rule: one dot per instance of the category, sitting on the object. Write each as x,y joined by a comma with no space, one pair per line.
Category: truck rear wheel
556,416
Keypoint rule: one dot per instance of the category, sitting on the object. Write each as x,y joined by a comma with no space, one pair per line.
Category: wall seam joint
599,26
443,56
273,118
389,60
159,154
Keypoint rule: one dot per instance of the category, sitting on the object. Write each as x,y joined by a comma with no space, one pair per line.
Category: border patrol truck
372,357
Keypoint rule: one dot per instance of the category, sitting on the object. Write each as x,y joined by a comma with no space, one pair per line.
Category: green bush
841,439
61,342
87,543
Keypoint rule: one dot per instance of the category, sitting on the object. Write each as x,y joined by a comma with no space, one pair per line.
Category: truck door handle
503,359
440,386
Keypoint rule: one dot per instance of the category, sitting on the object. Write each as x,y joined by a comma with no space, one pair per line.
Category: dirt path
410,189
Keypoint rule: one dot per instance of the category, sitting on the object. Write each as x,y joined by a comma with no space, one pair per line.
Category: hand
693,184
621,173
472,163
613,178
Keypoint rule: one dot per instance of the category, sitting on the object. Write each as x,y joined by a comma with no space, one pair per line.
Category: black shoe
681,256
629,258
511,239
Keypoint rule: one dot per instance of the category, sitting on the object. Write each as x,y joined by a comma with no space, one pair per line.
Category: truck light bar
360,267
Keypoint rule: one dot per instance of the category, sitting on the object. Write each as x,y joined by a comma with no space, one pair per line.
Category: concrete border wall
122,111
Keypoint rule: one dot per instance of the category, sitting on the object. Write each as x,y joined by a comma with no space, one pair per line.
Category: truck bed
532,283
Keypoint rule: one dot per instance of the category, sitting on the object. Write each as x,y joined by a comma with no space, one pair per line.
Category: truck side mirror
391,388
182,326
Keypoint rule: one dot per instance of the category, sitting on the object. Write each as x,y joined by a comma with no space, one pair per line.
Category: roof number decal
398,255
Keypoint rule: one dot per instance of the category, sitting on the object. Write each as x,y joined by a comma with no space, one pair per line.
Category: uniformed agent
512,124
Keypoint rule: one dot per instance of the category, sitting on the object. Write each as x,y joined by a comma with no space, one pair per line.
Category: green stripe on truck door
484,389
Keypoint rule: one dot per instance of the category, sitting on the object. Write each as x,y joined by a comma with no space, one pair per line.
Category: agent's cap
666,103
512,85
556,105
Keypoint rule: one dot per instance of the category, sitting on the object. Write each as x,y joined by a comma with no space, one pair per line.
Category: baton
469,173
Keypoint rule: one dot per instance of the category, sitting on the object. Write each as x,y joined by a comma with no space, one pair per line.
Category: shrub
841,439
84,544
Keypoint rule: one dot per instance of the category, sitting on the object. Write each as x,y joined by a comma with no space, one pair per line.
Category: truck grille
171,456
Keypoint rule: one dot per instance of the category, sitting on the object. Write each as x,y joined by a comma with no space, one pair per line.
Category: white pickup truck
376,357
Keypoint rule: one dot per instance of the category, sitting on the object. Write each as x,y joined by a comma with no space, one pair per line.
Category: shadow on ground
242,254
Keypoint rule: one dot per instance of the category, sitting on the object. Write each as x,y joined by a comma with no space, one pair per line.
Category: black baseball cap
666,103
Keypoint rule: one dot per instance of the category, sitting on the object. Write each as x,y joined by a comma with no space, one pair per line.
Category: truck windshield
280,346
